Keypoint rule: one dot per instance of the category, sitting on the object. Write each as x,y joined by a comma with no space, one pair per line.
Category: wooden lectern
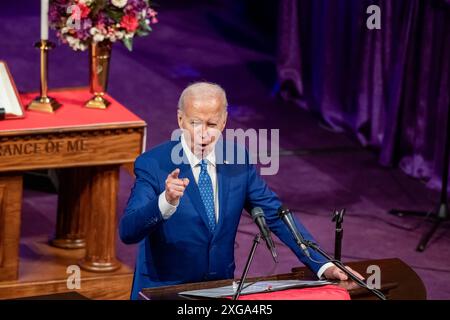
88,146
398,282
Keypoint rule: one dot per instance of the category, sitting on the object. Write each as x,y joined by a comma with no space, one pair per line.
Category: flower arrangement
80,22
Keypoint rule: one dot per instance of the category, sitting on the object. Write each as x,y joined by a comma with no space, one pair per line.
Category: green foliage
114,13
128,42
98,5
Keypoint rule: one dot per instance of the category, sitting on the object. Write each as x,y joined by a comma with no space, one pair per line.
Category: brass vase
99,57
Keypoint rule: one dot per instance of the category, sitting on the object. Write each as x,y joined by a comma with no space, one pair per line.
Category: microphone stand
339,265
338,217
442,212
256,241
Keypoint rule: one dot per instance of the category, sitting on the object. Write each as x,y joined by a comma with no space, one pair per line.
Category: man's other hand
334,273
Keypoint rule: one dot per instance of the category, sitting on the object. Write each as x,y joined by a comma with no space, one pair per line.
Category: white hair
203,91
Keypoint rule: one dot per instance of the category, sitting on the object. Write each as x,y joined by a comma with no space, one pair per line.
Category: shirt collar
192,158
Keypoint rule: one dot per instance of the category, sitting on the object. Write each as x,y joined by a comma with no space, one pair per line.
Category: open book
10,104
254,287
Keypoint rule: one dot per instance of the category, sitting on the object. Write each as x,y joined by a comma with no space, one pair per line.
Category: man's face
202,121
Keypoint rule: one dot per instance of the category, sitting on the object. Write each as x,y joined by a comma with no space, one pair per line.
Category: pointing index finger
174,174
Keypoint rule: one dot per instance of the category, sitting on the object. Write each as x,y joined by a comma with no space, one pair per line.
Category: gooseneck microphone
286,215
260,220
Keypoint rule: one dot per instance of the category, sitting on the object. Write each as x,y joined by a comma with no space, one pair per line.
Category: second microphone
260,220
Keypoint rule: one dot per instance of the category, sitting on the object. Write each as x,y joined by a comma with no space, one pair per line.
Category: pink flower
129,23
84,10
151,13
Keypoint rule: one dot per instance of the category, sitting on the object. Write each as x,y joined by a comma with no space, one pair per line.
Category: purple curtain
390,87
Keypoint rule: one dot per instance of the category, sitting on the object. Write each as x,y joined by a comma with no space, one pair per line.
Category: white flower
120,34
112,38
82,46
98,37
119,3
72,41
75,43
93,31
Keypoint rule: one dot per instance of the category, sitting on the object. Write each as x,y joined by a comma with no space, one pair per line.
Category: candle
44,19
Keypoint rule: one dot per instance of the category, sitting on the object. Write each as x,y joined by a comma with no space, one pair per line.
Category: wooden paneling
70,149
106,287
2,218
10,208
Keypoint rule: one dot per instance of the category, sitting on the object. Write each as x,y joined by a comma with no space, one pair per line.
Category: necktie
207,194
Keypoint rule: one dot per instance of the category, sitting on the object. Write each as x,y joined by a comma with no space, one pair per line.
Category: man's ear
180,118
225,117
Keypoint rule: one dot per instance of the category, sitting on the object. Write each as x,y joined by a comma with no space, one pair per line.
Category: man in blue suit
185,214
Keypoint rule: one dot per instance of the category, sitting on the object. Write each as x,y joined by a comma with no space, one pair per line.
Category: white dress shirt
167,210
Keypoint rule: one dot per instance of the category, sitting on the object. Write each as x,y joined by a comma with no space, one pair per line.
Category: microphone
286,215
260,220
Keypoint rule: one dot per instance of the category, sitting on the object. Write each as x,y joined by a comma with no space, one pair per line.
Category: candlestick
44,103
44,19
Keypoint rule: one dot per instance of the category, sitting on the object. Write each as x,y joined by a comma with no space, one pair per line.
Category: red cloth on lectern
328,292
72,113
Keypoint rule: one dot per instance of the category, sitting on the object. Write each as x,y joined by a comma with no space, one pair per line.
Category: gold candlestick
44,103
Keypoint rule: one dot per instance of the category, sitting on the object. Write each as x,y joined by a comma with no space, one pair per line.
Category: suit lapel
223,178
223,184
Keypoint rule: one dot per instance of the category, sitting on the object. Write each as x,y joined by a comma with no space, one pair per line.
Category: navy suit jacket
182,248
